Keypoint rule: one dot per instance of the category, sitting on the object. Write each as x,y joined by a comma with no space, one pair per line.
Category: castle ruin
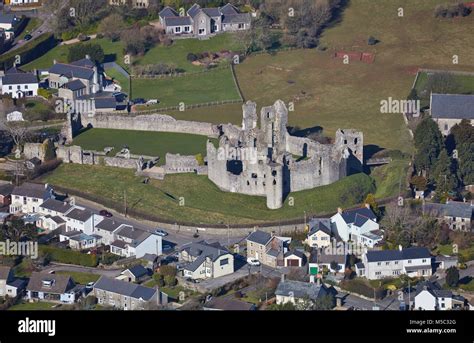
268,161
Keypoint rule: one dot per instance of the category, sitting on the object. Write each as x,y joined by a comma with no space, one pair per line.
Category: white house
24,2
9,22
430,297
9,285
319,236
298,292
28,197
358,226
15,116
379,264
206,260
130,241
79,219
52,288
19,84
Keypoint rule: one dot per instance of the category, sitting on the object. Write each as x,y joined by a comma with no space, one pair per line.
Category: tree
444,173
452,276
419,182
370,200
18,131
428,145
326,302
462,140
334,266
112,26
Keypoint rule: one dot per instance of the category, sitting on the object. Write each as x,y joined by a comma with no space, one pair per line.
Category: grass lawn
143,142
465,85
465,254
178,52
215,85
388,178
203,201
36,306
467,284
80,278
119,78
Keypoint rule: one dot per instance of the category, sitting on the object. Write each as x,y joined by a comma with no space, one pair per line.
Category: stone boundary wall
152,122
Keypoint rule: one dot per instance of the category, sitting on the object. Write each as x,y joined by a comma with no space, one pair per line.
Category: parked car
253,261
152,102
28,37
90,285
167,247
161,232
105,213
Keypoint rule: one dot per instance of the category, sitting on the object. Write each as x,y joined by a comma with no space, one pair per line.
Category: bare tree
18,131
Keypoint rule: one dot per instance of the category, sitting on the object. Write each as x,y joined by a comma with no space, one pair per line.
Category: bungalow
125,295
9,285
430,296
19,84
28,197
448,110
266,248
298,292
206,260
379,264
80,241
52,287
458,215
358,226
318,261
135,274
50,223
445,262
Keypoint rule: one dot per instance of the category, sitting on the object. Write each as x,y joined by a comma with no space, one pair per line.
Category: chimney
282,277
400,247
339,210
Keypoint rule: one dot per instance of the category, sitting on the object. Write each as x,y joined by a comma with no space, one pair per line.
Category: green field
390,178
203,201
215,85
36,306
80,278
143,142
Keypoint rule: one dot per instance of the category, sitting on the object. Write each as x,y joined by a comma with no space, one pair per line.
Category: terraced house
206,260
202,22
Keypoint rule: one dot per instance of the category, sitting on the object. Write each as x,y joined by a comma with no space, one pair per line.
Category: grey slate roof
349,216
125,288
109,102
451,209
56,205
168,12
4,272
17,77
323,224
212,12
294,252
360,265
228,9
61,284
108,225
70,71
236,18
301,289
32,190
202,250
6,189
228,304
85,62
452,106
259,237
133,233
194,10
75,85
119,244
138,270
78,214
178,21
393,255
7,18
434,289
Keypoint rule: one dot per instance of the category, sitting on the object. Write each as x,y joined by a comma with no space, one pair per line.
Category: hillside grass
389,177
143,142
204,202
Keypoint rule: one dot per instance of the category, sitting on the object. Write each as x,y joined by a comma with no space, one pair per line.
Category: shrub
170,280
359,286
192,57
30,51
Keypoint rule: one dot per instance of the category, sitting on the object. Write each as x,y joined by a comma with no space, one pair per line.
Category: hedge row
29,51
361,287
69,256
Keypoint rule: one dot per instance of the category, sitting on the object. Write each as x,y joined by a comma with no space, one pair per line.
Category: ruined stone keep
268,161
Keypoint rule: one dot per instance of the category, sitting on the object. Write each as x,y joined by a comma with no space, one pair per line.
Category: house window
186,29
424,260
241,26
387,263
379,263
224,262
409,261
177,29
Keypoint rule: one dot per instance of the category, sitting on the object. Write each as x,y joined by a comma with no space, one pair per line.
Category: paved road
112,273
44,27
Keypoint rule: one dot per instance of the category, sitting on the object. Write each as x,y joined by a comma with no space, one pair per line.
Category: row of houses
79,227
